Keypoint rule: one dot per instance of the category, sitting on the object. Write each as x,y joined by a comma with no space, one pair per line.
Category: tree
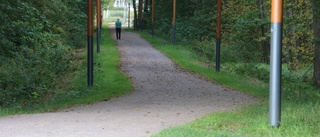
264,42
316,29
134,14
140,14
146,6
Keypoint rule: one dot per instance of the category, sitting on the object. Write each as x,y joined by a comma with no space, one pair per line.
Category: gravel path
164,96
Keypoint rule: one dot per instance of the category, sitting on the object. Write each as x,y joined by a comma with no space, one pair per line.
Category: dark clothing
118,29
118,33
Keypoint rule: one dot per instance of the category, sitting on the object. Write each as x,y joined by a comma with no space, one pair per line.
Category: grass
298,119
109,82
186,59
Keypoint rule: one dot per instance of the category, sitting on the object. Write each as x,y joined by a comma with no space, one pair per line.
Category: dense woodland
39,40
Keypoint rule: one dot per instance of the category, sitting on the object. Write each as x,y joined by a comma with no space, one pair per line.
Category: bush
295,85
32,57
30,76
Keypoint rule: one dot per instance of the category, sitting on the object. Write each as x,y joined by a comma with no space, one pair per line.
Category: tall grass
299,118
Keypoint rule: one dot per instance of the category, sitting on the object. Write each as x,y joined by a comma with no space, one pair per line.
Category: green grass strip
297,120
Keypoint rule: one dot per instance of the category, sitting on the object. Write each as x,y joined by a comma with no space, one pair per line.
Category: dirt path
164,96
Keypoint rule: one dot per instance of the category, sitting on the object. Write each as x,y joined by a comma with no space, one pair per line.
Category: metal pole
275,63
98,24
174,22
90,43
218,36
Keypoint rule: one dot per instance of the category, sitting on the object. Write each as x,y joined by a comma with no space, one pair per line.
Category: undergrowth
108,82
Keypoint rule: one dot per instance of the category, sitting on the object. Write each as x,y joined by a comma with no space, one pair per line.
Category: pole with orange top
90,43
98,24
218,34
275,63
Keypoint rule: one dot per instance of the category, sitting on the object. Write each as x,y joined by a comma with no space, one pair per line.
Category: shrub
32,58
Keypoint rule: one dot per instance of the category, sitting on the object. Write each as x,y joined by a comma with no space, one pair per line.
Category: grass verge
108,82
298,119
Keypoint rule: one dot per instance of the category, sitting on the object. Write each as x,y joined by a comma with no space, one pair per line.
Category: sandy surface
164,96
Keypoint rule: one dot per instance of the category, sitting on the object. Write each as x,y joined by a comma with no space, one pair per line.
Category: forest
39,40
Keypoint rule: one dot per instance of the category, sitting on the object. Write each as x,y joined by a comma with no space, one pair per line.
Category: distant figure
118,29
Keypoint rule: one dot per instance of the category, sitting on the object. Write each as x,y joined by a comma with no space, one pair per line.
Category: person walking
118,28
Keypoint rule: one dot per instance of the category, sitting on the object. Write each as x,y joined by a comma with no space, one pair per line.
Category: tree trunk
264,43
134,15
316,28
146,6
140,14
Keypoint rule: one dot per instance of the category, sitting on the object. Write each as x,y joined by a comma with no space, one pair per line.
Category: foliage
298,35
109,81
245,31
316,32
36,47
64,16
